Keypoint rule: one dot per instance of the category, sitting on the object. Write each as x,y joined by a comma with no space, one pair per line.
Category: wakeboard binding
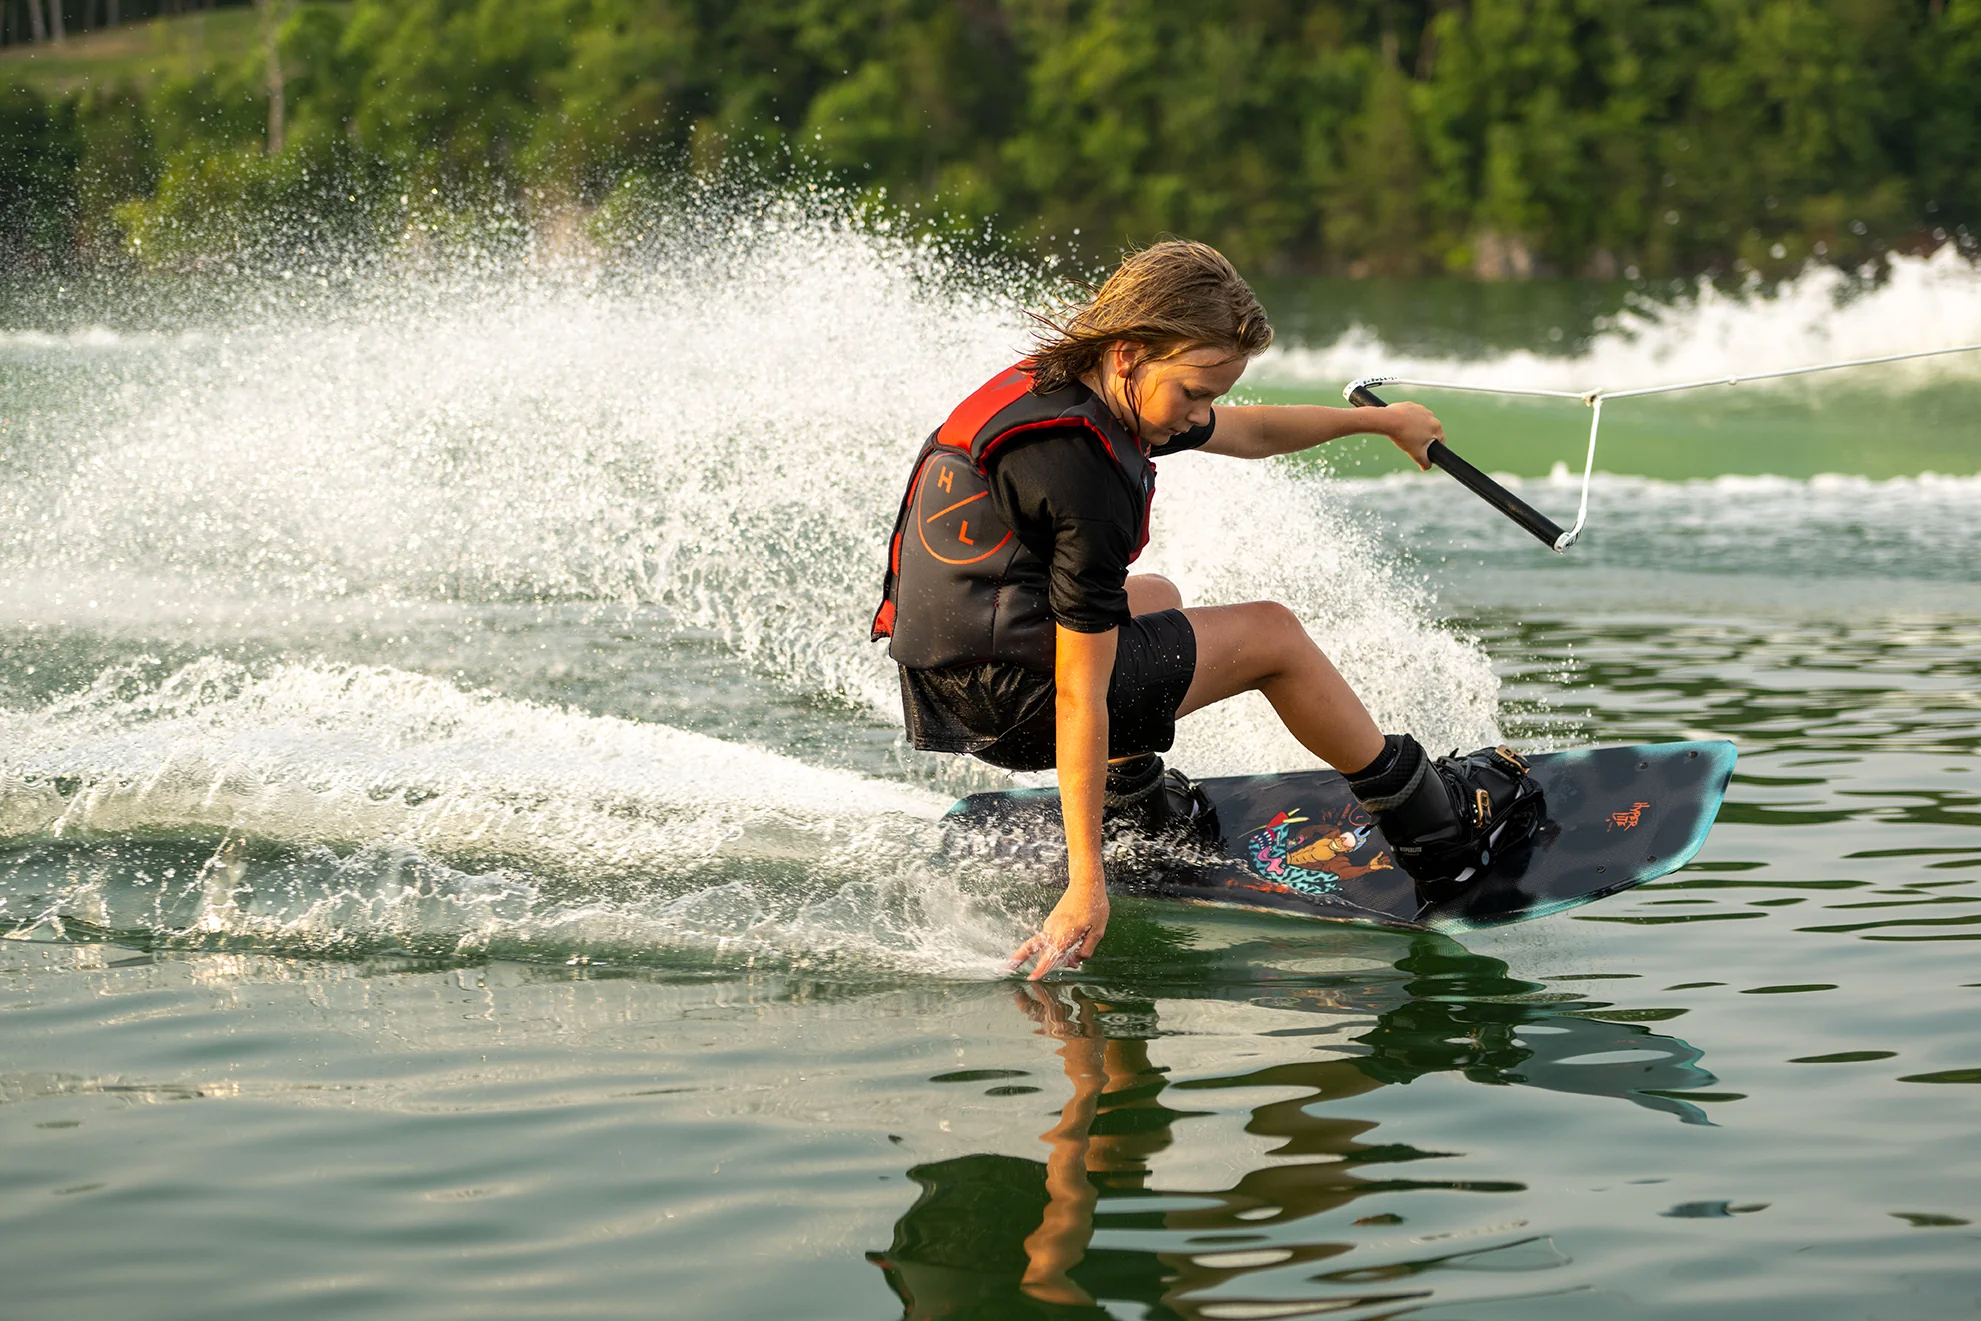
1144,797
1451,817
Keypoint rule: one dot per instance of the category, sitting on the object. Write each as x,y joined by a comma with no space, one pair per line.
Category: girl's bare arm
1083,664
1260,431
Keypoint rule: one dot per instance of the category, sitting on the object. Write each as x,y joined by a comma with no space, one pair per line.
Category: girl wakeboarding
1024,640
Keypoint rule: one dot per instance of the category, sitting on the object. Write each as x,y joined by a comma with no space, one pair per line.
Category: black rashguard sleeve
1070,507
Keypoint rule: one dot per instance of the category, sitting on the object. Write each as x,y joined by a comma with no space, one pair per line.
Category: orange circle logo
952,506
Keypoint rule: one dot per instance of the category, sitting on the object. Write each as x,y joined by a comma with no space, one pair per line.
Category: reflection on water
996,1235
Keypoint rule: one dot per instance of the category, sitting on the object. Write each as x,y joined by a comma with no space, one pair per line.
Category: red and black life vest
961,585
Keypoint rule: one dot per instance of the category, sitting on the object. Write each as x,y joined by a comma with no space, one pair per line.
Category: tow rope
1544,528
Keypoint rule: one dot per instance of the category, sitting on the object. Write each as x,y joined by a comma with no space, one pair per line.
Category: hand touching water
1082,664
1070,933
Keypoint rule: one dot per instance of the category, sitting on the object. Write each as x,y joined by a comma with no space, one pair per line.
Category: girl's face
1168,395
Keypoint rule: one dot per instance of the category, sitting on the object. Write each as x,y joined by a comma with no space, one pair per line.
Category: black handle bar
1536,522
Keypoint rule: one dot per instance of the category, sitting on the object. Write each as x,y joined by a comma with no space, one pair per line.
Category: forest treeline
1495,137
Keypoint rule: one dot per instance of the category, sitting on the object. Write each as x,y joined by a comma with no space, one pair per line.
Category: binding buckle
1513,760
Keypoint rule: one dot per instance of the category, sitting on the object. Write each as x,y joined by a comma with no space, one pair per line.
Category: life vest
961,585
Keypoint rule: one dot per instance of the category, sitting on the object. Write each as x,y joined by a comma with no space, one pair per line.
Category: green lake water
457,856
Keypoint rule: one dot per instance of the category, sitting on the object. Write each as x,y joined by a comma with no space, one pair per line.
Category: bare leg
1151,592
1262,645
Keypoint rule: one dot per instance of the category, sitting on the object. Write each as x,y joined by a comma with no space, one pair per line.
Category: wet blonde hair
1170,298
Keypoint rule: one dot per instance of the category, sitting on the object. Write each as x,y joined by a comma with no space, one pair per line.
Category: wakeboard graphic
1299,842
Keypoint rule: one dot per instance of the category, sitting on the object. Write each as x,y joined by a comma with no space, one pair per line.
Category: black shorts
1155,657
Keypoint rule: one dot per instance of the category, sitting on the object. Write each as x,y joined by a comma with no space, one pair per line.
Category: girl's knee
1279,629
1151,592
1276,620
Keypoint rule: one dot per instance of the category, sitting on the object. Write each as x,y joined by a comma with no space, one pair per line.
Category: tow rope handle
1545,529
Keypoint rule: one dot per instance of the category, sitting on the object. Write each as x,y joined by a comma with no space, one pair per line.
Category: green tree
1947,107
41,150
119,161
1500,137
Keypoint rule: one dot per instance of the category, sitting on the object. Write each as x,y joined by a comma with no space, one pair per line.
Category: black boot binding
1142,796
1447,819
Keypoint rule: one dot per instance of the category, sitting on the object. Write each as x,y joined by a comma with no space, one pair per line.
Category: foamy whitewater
1916,304
244,534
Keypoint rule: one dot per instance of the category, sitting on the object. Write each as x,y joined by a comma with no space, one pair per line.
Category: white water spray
726,440
1822,315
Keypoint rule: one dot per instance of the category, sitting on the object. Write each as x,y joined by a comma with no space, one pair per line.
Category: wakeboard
1299,842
